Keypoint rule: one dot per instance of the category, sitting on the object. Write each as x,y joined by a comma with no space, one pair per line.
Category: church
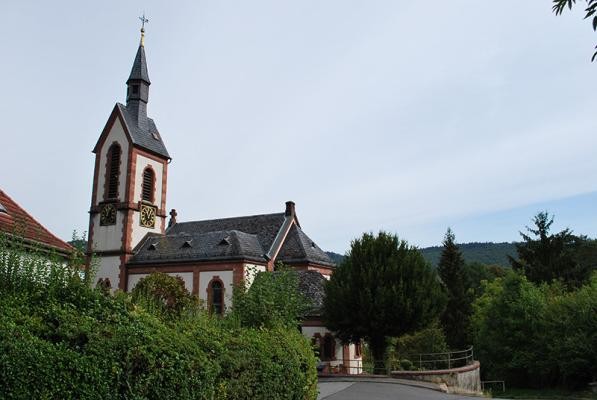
132,234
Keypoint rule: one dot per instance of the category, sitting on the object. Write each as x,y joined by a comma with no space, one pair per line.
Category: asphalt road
381,391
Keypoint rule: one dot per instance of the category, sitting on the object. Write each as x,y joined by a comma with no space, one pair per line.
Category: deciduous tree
590,12
383,288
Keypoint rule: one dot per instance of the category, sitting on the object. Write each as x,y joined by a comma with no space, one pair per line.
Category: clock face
147,216
108,215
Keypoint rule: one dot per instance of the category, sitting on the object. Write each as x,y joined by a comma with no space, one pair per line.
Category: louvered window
148,185
113,171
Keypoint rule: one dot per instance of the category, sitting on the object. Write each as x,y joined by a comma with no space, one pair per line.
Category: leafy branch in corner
560,5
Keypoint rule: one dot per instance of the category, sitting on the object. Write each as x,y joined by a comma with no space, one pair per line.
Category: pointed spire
139,70
138,82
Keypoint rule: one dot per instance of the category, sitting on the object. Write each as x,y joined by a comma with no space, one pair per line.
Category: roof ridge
230,218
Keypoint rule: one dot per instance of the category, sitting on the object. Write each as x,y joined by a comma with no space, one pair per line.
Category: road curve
381,391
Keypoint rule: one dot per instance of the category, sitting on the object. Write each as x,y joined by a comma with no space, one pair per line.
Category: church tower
129,183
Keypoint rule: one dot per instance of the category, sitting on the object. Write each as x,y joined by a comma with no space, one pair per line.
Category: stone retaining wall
464,380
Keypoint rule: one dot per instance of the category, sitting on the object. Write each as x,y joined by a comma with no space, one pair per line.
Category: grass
544,394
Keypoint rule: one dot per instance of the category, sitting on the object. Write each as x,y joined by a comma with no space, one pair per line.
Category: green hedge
63,340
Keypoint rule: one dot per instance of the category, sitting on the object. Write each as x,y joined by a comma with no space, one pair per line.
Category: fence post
420,361
449,360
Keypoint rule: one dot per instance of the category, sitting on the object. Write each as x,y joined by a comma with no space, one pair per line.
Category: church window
148,185
113,171
216,296
135,89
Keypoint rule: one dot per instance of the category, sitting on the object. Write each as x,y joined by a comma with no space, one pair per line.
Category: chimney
173,215
289,209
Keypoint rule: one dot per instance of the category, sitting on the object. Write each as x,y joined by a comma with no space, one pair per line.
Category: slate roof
311,285
265,227
15,220
144,133
250,238
299,248
139,70
208,246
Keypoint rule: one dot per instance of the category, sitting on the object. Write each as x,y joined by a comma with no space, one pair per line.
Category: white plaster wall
187,277
142,163
251,270
107,237
109,267
116,135
139,231
225,276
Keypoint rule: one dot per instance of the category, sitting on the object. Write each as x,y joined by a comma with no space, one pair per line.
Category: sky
397,115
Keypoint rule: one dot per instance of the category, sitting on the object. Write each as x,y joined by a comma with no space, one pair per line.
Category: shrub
164,295
61,339
272,300
269,364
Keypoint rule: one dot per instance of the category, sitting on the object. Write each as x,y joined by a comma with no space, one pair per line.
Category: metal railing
422,361
446,360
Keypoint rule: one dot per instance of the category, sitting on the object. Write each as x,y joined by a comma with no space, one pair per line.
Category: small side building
16,224
335,357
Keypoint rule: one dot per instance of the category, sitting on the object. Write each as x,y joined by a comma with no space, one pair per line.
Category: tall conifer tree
455,318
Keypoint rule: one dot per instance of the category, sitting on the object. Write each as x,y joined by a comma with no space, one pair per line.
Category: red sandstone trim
107,169
215,278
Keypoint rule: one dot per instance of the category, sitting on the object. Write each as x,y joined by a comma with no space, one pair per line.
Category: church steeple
138,82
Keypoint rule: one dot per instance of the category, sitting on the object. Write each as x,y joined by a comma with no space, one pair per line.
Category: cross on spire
143,22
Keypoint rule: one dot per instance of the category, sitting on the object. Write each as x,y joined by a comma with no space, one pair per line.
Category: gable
117,118
143,134
298,248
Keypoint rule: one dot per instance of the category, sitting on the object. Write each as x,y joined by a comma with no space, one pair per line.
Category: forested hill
485,253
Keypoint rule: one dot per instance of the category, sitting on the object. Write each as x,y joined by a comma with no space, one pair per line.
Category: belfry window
148,185
113,171
216,297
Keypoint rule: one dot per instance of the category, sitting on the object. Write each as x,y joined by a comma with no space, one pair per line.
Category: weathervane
143,22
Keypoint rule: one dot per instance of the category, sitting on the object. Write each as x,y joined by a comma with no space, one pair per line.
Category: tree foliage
536,335
546,257
456,316
273,299
590,12
164,295
383,288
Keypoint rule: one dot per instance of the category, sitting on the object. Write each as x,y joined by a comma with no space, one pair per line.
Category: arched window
148,185
215,297
113,171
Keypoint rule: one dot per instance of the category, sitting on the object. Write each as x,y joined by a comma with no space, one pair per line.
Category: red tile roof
15,220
